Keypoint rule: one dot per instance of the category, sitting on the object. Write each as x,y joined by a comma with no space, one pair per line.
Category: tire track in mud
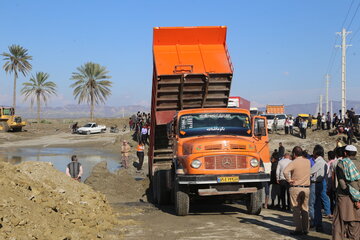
215,222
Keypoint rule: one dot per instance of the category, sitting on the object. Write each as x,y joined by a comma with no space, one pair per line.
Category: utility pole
320,105
331,108
327,76
343,47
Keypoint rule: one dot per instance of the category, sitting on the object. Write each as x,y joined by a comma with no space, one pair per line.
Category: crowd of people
313,186
140,124
349,124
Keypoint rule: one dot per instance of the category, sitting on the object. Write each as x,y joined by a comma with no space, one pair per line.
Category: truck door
261,140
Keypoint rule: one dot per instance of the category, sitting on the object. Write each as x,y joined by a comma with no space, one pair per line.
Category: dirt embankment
39,202
119,187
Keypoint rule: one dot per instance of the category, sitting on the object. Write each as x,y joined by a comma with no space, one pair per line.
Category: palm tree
91,85
17,60
38,88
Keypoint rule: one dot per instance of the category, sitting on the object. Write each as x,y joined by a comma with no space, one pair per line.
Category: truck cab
219,152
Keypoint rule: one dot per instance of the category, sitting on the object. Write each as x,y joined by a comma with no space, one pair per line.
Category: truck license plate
227,179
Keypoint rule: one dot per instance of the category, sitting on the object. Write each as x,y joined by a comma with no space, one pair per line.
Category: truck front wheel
182,202
254,202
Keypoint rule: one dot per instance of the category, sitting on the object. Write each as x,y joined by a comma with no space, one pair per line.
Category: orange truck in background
199,148
275,109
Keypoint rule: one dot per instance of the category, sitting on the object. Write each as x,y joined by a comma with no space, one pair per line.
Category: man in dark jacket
74,169
281,151
318,124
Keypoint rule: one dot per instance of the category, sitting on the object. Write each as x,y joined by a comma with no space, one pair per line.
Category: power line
352,19
334,50
342,25
332,56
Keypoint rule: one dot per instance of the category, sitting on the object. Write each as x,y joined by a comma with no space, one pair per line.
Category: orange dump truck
275,109
198,147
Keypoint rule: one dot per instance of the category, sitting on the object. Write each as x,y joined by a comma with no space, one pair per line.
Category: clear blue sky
280,48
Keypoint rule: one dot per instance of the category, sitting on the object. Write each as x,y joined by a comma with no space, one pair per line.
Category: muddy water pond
60,157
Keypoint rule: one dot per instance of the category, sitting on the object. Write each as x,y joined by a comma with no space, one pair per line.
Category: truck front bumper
214,179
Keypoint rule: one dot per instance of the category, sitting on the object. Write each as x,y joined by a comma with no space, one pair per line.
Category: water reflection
60,157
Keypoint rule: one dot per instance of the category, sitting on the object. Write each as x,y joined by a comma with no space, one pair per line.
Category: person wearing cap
297,174
346,221
125,149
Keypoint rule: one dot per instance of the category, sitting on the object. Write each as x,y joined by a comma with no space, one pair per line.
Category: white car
91,128
270,120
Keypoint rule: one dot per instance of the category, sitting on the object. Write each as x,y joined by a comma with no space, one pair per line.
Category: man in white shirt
291,125
284,185
323,121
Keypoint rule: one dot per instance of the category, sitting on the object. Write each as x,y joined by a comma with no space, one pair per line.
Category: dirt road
215,222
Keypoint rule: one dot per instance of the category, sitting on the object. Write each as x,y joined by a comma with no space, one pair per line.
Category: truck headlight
196,163
254,162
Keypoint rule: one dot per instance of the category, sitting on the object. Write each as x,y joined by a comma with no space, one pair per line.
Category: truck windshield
214,124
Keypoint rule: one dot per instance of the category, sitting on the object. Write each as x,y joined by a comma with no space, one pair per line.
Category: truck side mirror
259,127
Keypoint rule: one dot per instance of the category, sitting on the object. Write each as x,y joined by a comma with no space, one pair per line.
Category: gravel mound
39,202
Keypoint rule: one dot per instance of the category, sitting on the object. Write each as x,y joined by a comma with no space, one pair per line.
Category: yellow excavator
9,121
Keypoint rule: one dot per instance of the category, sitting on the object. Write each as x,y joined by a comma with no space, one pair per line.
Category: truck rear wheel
182,201
254,202
163,193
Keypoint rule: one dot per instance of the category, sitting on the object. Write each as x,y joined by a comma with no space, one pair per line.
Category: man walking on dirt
297,173
125,149
74,169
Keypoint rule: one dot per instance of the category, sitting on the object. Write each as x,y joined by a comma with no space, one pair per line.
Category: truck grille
225,162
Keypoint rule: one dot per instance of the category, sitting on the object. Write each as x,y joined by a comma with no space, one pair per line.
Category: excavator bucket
197,50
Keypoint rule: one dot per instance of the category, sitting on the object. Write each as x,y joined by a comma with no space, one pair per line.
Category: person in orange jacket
140,154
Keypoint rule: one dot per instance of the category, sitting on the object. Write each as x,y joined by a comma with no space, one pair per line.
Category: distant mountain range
80,111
